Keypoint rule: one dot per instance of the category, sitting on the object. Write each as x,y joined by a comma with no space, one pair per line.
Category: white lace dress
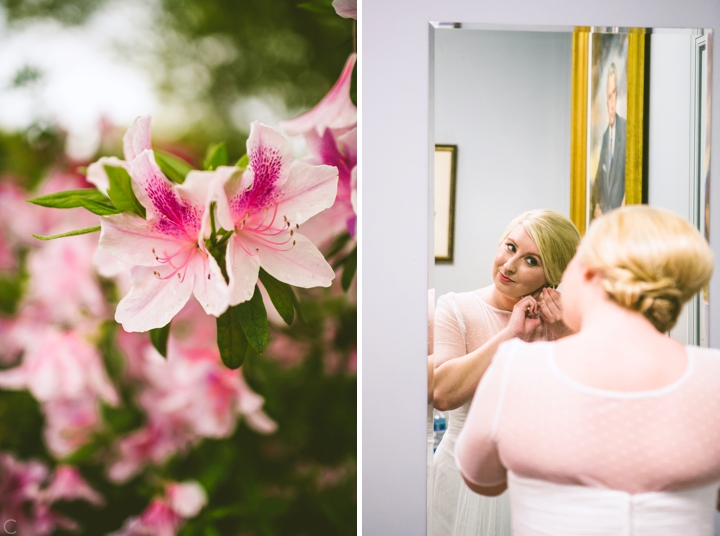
463,323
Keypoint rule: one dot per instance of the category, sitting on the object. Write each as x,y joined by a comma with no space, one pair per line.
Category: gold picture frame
609,76
445,179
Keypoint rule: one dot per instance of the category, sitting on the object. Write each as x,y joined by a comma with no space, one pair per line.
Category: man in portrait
608,191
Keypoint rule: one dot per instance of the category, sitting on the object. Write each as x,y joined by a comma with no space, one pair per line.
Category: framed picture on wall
445,169
608,153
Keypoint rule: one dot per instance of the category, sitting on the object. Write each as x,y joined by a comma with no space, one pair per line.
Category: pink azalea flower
186,498
331,137
68,290
346,8
188,396
70,424
24,506
135,141
152,444
68,484
158,519
164,516
65,373
62,366
265,207
336,110
167,249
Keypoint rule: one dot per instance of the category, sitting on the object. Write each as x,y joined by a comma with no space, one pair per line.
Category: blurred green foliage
302,479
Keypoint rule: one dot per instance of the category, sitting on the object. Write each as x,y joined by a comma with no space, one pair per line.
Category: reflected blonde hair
653,261
555,236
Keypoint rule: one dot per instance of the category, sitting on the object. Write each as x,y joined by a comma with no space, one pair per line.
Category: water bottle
439,426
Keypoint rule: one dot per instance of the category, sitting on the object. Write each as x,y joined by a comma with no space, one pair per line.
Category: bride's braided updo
652,260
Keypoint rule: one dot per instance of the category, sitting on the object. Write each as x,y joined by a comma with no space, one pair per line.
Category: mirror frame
395,150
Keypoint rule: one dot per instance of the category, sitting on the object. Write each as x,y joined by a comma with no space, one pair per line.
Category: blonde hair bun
653,261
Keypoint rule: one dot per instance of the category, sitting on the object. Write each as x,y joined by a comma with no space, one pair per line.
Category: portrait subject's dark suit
609,186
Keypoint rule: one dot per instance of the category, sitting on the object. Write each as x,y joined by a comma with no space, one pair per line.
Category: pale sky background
85,78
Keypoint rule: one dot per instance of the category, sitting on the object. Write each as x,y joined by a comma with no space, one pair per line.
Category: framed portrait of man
608,166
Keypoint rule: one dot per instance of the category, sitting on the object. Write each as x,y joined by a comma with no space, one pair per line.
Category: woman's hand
525,318
550,306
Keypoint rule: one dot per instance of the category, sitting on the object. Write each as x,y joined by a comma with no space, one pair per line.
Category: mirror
527,111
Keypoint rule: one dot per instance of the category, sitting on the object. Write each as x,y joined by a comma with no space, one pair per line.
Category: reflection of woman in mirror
469,327
614,430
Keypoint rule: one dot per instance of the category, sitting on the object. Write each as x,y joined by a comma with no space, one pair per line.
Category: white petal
210,288
137,138
97,175
133,240
335,110
224,178
269,156
152,302
196,187
301,265
309,190
346,8
243,266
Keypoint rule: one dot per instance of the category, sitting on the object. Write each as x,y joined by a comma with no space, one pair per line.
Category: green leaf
254,321
281,296
123,418
243,162
231,340
159,339
349,269
90,199
70,233
121,192
216,156
323,9
175,168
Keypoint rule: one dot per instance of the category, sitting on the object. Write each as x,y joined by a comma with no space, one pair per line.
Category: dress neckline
486,304
621,394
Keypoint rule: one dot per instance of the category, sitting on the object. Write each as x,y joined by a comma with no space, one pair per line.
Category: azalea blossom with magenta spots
166,249
265,206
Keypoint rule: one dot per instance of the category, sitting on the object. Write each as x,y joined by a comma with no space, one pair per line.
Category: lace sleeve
476,450
449,332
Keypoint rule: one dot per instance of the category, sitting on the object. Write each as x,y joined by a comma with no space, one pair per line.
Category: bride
521,302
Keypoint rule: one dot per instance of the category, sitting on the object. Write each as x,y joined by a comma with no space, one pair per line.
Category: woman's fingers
550,309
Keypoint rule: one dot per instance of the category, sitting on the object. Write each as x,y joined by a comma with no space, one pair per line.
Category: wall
503,98
395,154
669,165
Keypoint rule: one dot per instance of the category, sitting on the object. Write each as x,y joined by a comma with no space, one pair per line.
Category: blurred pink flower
158,519
65,373
62,366
167,251
186,498
70,424
264,207
164,516
63,282
152,444
68,484
194,390
346,8
330,131
188,396
335,111
25,507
